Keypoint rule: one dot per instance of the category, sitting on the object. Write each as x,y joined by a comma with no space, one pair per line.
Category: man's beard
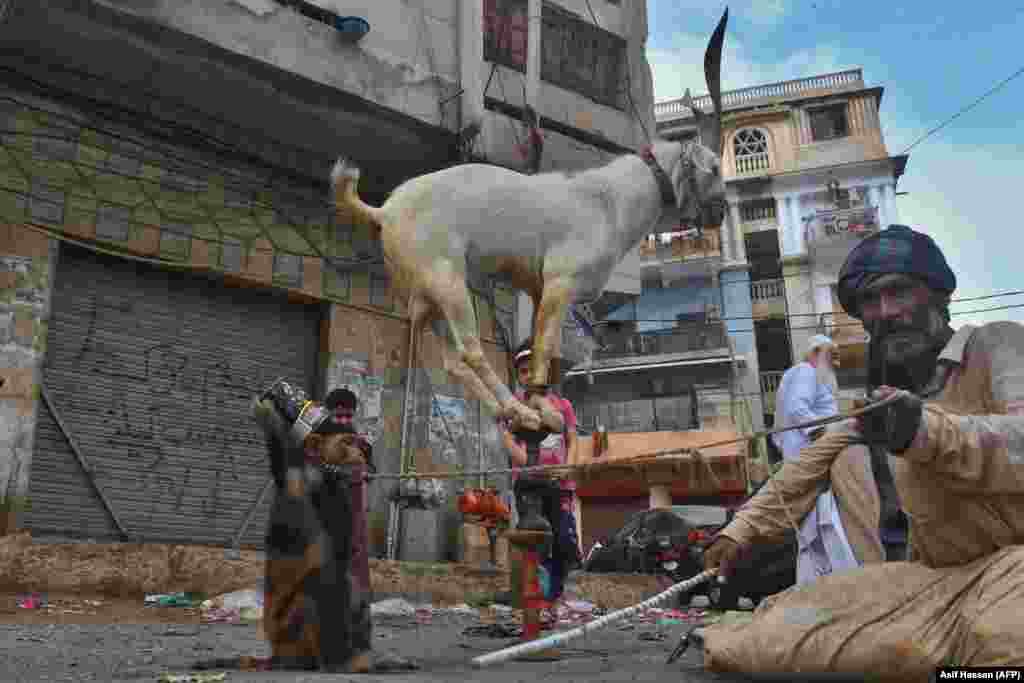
903,356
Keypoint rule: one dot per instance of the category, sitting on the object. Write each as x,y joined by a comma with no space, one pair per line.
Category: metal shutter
151,372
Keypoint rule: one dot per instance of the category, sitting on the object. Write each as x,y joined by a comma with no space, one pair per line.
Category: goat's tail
347,204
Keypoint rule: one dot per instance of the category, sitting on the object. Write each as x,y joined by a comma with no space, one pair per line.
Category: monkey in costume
313,614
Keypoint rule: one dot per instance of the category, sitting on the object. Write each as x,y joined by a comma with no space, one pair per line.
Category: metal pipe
557,639
406,406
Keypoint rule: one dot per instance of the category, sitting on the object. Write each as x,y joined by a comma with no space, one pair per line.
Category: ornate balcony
768,298
686,255
685,338
763,94
682,248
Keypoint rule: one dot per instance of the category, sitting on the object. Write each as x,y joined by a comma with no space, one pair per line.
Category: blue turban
897,249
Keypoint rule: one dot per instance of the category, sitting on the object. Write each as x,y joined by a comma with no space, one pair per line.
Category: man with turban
953,446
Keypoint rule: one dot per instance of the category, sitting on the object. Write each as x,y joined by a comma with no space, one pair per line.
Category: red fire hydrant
526,547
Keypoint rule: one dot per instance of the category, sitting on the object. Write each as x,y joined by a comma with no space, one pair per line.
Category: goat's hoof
524,418
550,418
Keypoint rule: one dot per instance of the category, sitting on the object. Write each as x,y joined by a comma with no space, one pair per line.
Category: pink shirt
554,450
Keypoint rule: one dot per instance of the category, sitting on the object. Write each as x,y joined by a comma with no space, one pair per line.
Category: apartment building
167,244
808,176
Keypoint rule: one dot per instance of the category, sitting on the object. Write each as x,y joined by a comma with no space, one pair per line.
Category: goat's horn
713,76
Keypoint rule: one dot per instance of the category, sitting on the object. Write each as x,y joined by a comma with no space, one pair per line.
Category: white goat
556,237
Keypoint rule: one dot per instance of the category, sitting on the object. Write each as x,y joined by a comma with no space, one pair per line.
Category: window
757,210
828,123
750,147
579,56
505,31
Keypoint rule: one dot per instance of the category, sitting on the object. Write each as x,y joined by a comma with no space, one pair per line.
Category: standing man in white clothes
808,392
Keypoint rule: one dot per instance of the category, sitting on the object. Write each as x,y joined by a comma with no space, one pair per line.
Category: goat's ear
698,115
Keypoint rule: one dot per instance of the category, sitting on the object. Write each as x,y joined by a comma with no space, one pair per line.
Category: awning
649,366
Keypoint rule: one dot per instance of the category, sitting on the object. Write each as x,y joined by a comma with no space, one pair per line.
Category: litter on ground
238,607
174,600
193,678
32,601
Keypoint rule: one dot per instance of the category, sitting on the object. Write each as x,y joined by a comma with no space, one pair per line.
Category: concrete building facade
808,176
167,244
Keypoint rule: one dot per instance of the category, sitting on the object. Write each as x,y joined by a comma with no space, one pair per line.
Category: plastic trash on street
238,607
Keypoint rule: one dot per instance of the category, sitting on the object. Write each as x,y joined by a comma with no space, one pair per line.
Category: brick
24,328
312,275
86,231
17,383
18,240
259,265
201,253
145,241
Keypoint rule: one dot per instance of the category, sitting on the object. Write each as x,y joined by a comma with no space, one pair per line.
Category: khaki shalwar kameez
961,598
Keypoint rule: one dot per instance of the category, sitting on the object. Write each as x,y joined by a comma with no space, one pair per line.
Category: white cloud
957,194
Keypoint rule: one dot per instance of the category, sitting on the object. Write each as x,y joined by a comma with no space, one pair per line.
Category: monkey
311,613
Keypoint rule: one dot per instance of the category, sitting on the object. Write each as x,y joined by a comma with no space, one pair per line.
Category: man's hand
896,425
723,554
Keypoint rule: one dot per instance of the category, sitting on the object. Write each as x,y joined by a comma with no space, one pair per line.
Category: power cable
832,326
966,109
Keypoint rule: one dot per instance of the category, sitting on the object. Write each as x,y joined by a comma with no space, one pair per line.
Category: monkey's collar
668,193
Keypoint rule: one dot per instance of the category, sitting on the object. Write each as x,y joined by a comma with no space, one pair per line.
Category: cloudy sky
933,59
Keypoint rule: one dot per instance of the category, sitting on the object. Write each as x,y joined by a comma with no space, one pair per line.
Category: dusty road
119,641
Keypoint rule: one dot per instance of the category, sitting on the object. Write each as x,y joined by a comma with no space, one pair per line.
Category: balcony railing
769,387
842,328
752,163
734,99
767,290
756,210
685,338
708,245
829,225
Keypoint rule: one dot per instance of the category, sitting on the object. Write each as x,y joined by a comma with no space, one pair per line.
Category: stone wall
70,174
26,271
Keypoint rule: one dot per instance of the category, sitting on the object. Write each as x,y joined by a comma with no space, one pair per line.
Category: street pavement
123,653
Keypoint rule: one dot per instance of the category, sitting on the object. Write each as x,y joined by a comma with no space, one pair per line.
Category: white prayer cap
819,341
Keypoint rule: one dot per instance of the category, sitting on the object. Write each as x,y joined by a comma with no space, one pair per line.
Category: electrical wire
972,105
787,316
836,325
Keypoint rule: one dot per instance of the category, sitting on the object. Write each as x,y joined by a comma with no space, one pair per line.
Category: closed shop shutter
151,373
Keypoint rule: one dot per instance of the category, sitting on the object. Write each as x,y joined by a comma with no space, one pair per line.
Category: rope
688,454
556,639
